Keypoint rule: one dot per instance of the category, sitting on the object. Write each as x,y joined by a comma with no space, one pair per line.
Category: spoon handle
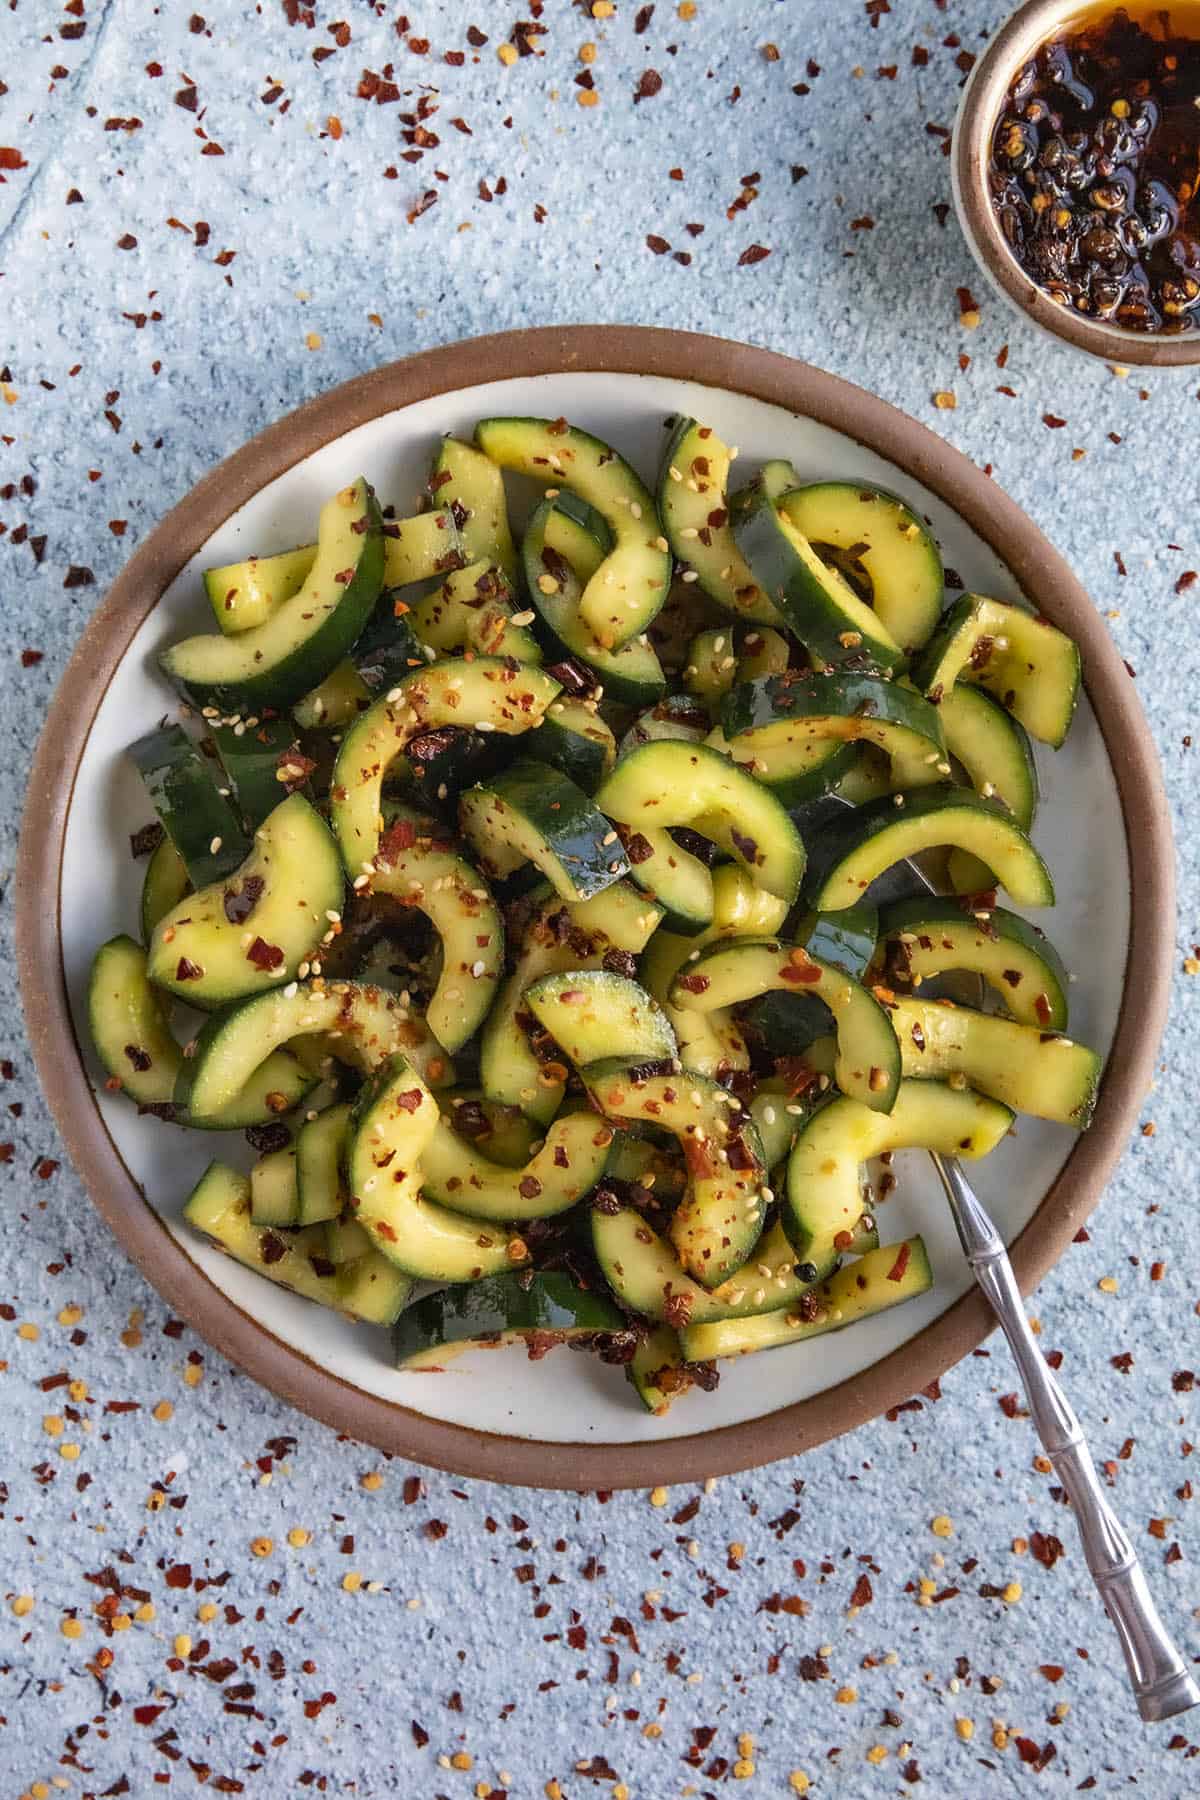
1160,1680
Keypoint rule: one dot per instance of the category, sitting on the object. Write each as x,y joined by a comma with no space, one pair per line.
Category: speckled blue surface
589,1642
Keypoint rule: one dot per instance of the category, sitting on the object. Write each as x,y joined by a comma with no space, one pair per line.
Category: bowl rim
983,96
759,374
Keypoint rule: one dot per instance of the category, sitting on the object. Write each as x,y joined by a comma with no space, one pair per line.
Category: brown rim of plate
1017,40
682,356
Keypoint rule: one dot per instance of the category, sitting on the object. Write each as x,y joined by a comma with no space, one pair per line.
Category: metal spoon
1160,1680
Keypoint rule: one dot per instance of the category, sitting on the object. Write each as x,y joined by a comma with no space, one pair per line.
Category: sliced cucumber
720,1218
692,482
473,609
386,650
656,1370
568,1165
199,819
883,1278
632,582
128,1022
502,1134
165,883
1031,667
673,784
334,702
560,554
416,549
836,628
1033,1071
882,540
993,749
417,864
541,1312
853,851
368,1289
593,1015
253,931
320,1144
645,1273
557,939
533,813
574,738
245,594
276,662
395,1117
726,975
797,712
264,764
501,696
365,1026
926,937
345,1239
471,488
274,1189
823,1201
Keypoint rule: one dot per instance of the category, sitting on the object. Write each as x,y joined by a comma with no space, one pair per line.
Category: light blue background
320,241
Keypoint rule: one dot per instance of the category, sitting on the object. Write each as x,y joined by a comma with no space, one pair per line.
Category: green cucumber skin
499,1304
1021,700
565,820
615,1018
164,885
938,916
842,839
251,756
737,591
839,695
582,751
308,662
195,814
811,508
992,747
387,648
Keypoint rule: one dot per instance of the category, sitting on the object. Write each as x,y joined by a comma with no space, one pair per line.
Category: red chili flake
179,1575
78,576
642,20
428,199
1186,580
1119,560
1045,1548
240,904
186,970
410,1102
659,245
649,83
264,956
420,1735
1011,1407
1052,421
31,658
476,38
1183,1381
753,253
11,159
639,849
863,1593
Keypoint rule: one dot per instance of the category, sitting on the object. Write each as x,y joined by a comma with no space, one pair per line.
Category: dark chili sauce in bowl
1095,167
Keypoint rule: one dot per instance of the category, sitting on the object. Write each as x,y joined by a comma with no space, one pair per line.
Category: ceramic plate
568,1420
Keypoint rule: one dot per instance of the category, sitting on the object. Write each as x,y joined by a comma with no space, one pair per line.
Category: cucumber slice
418,548
245,594
993,749
345,1239
836,628
632,582
388,648
672,784
165,883
823,1200
394,1119
274,1190
883,1278
198,818
720,1218
797,710
656,1370
926,937
571,1160
671,877
692,482
853,851
501,696
367,1026
547,1310
270,1091
1031,667
276,662
368,1289
264,764
473,609
574,738
128,1022
533,813
796,769
559,938
675,716
559,556
708,1042
253,931
726,975
334,702
883,539
592,1015
471,488
1032,1071
646,1275
419,866
320,1144
502,1134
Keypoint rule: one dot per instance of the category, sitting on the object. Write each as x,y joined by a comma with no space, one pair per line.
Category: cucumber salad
514,892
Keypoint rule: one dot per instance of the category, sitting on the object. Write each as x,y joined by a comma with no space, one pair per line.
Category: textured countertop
205,220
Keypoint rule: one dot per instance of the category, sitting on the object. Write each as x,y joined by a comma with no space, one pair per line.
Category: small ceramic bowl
983,98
